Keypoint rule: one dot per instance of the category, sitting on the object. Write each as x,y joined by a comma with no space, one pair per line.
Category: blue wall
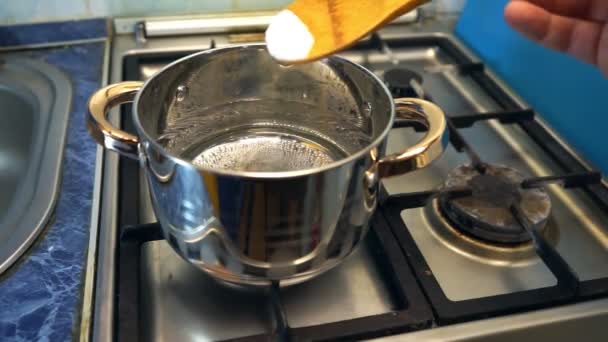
570,95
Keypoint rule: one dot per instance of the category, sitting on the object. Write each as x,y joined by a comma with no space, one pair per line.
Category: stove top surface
363,297
422,264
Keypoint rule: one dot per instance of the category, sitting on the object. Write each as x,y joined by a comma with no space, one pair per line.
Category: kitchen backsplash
24,11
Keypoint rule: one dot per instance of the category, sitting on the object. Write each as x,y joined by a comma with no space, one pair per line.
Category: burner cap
486,213
398,81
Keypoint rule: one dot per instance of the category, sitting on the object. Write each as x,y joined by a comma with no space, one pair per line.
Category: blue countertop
40,295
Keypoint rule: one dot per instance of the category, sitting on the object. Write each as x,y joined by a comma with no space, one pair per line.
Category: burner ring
509,255
486,214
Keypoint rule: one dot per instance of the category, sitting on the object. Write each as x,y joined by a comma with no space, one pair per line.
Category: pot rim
257,174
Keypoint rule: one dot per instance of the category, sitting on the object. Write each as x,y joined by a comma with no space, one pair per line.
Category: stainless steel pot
260,172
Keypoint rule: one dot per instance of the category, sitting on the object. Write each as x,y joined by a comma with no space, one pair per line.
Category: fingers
602,53
596,10
578,37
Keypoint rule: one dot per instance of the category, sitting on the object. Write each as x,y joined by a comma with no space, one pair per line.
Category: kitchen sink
35,103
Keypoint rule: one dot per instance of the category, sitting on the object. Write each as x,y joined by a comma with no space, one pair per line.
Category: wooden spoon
312,29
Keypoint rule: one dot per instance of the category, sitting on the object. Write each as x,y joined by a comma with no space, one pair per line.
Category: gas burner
403,82
486,214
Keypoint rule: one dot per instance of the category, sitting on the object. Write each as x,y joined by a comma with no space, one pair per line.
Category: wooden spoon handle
336,24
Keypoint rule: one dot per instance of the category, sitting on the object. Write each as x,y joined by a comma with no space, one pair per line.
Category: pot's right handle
426,150
101,129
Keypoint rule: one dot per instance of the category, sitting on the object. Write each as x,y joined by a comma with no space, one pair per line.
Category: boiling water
251,136
265,149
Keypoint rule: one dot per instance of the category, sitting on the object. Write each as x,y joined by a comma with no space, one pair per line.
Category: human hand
577,27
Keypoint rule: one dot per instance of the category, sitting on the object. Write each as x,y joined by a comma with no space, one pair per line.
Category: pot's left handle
101,129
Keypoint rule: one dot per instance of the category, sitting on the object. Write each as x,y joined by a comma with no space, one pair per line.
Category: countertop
40,295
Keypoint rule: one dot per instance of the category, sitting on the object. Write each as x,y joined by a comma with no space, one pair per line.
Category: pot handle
425,151
101,129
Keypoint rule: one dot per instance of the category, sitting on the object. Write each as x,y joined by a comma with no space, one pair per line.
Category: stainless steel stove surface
180,303
542,244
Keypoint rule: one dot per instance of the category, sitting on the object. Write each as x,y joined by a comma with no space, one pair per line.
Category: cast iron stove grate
413,313
569,288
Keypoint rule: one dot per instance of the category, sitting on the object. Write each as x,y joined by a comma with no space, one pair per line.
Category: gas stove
508,227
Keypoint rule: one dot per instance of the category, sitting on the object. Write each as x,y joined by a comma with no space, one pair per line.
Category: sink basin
35,103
